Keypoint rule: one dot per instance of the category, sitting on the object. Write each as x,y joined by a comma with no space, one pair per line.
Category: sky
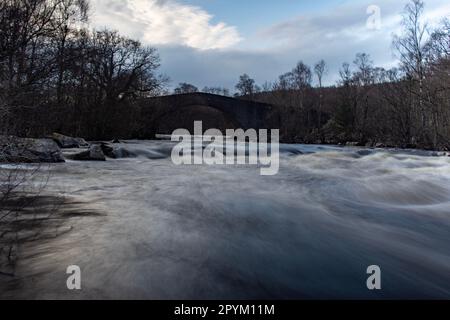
212,42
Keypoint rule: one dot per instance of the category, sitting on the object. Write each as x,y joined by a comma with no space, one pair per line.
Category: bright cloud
164,22
197,49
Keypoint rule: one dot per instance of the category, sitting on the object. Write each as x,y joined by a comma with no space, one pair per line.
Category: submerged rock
27,150
365,152
292,150
82,142
440,154
94,153
68,142
115,152
369,144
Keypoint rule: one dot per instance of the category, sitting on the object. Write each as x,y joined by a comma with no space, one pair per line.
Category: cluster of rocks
50,149
93,153
380,145
377,145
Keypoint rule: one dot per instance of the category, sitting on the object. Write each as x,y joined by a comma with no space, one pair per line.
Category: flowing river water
225,232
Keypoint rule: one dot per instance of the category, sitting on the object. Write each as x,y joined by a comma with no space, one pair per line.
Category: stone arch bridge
180,111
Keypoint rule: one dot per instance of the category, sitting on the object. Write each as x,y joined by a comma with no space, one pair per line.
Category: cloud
216,67
344,28
164,22
195,50
349,20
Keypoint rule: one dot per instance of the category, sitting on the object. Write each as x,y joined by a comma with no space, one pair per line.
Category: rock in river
68,142
27,150
94,153
112,151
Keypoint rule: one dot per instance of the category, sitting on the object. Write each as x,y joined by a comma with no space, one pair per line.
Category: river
148,229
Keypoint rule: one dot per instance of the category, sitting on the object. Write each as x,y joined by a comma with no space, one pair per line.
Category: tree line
406,106
57,74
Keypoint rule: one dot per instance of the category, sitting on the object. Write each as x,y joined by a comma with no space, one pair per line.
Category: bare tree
437,83
411,46
68,17
345,74
246,86
320,70
364,73
185,88
217,90
363,78
285,82
302,76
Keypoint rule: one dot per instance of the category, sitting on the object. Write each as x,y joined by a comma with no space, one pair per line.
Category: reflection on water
226,232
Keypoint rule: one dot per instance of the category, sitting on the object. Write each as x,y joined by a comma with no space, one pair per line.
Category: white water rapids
226,232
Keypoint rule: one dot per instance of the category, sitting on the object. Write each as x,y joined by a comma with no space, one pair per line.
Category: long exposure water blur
208,232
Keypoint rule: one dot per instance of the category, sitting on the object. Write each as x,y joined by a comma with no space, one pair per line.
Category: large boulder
26,150
94,153
68,142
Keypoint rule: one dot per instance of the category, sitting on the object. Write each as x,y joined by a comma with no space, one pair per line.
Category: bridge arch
185,116
215,111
